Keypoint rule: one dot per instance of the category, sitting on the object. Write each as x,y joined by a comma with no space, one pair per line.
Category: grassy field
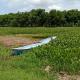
60,55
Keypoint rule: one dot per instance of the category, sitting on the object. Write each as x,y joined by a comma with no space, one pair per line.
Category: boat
17,51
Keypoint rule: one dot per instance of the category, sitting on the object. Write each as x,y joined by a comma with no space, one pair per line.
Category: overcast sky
7,6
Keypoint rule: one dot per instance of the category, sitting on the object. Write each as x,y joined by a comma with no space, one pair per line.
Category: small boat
17,51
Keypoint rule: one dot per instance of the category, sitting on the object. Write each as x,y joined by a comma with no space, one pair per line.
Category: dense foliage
39,17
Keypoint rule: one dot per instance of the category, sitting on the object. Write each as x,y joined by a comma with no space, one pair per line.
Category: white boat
27,47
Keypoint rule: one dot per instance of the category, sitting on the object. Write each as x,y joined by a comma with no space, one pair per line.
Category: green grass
62,54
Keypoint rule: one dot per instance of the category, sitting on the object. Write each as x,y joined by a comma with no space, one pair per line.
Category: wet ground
10,41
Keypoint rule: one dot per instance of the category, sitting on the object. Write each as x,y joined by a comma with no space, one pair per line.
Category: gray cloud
7,6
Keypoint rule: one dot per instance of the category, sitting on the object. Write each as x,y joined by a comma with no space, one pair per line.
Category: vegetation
62,54
39,17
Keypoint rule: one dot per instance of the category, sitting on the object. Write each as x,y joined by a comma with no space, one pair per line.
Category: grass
63,54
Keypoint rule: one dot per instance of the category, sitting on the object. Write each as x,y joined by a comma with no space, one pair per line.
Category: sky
12,6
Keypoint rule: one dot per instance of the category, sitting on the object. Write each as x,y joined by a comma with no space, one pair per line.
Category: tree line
39,18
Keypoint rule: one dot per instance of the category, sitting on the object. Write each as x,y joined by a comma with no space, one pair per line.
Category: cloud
7,6
55,7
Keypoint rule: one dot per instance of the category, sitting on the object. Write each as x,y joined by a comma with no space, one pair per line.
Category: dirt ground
11,41
64,76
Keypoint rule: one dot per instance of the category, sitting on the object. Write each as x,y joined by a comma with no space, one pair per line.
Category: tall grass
62,54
